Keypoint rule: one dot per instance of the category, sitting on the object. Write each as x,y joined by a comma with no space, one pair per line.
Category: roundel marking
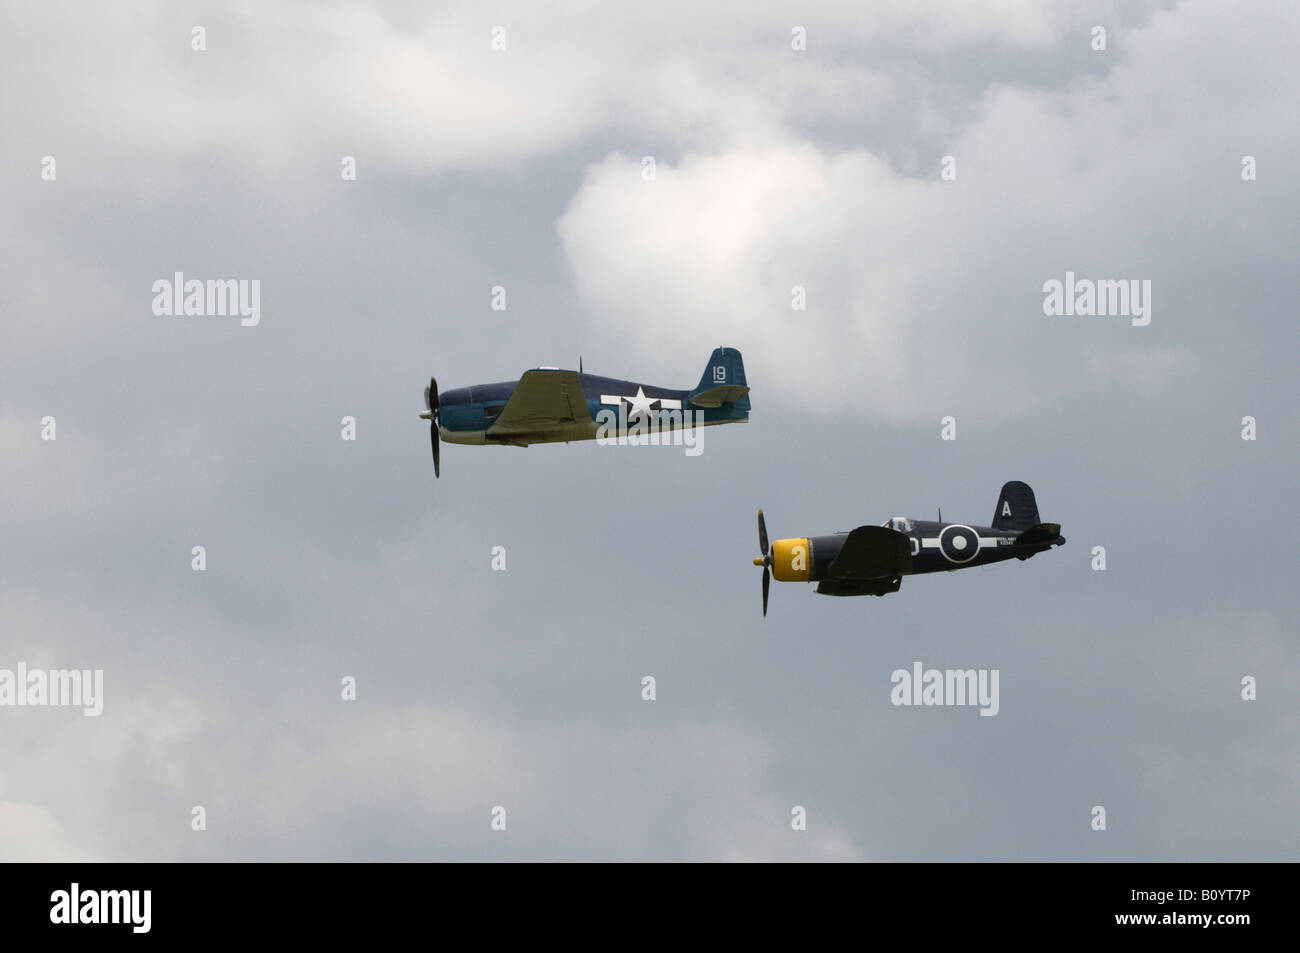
958,543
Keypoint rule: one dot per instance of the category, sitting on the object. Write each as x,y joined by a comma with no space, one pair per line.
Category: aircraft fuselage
467,413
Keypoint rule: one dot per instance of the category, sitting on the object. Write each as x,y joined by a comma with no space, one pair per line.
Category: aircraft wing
543,400
873,552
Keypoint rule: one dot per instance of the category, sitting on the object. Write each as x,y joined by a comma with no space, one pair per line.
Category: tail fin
1017,509
723,381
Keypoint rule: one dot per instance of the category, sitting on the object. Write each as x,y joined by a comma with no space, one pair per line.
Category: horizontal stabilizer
1040,534
717,396
873,552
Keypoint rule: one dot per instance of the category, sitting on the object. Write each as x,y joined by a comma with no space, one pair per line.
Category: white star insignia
640,404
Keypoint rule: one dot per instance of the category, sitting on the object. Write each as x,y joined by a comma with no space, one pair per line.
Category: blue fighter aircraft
549,405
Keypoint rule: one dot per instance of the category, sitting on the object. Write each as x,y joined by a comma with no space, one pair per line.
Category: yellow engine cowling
792,560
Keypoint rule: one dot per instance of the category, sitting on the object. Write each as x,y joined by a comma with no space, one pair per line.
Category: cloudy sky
524,167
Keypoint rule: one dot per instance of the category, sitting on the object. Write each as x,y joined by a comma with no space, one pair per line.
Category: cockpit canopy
900,524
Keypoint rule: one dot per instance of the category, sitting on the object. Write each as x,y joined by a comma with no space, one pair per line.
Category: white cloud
423,90
31,834
924,294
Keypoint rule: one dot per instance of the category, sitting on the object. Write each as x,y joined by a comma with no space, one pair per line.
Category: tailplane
1041,534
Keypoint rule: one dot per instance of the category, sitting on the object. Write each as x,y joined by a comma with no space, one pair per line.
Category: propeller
431,402
766,560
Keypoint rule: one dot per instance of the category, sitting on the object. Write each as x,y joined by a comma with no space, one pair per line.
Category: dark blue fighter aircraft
872,560
549,405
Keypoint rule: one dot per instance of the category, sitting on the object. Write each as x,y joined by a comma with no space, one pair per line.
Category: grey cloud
476,688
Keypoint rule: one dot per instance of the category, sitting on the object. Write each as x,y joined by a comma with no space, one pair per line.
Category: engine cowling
792,560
